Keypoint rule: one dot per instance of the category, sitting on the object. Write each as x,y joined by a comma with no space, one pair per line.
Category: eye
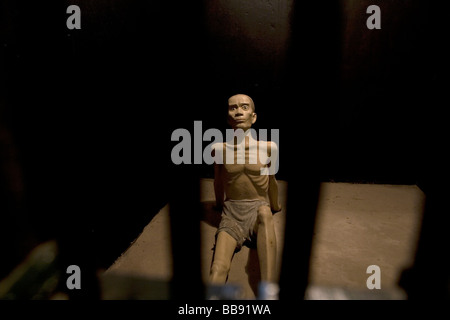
245,107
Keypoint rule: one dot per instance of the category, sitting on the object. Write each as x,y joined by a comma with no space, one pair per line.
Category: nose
238,112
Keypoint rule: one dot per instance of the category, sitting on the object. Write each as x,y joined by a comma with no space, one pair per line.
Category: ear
253,117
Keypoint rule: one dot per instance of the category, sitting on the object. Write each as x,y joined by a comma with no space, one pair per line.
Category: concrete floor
357,225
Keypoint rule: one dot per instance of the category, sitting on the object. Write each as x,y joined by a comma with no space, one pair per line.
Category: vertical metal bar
428,278
185,214
306,146
185,97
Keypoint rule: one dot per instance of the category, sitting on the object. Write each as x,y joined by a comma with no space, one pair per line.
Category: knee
220,268
265,215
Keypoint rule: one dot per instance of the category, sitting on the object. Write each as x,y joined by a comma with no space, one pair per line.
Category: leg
223,253
266,244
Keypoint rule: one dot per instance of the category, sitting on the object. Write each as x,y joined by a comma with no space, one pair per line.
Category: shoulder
217,145
218,152
272,146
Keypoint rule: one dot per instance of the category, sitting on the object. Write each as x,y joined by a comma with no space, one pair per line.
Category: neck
238,137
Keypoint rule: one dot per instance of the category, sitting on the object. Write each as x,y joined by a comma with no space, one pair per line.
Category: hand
276,209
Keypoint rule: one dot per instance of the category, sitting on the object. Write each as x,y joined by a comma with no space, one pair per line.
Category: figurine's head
241,112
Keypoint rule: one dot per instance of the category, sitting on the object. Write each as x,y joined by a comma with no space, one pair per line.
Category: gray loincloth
238,219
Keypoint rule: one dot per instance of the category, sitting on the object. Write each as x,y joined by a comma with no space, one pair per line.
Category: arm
273,184
218,186
273,194
218,175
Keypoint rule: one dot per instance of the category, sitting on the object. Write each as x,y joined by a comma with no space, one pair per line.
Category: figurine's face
241,113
